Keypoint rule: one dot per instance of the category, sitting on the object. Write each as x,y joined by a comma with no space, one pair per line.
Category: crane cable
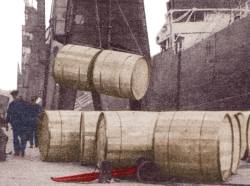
130,30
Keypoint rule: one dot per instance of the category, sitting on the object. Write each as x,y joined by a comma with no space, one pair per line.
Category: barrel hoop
91,69
238,123
61,131
232,130
120,152
169,129
201,130
120,74
248,133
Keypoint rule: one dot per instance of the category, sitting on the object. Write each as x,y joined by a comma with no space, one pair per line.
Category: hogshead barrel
121,74
59,136
74,65
194,146
123,137
88,137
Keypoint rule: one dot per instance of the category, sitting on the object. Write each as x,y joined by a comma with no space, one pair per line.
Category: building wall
34,52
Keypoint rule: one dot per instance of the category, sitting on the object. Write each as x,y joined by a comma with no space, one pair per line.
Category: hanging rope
130,30
109,24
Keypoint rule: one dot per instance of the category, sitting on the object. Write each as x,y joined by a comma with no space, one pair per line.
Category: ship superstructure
189,23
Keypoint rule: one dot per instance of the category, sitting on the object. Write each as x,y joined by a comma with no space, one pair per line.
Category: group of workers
23,118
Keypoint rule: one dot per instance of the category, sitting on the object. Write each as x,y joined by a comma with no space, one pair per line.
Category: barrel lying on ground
88,137
123,137
194,146
121,74
74,65
59,136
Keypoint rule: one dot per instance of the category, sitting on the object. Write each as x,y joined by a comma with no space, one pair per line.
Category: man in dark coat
34,111
16,114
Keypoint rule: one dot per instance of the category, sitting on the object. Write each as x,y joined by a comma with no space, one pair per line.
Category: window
197,16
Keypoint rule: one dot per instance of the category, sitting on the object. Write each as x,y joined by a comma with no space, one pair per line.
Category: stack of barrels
188,146
113,73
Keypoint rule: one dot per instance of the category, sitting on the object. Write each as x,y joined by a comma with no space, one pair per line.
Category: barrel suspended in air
123,137
88,137
194,146
74,65
59,136
121,74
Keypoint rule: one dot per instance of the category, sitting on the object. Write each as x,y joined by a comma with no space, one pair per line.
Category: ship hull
211,75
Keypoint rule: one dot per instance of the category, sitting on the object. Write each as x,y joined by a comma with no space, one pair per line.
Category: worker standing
16,115
34,111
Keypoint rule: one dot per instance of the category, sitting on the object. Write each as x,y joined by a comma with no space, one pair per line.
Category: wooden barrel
59,136
194,146
123,137
121,74
88,137
74,65
243,128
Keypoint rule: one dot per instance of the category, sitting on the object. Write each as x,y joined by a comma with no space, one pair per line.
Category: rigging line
130,30
181,17
98,24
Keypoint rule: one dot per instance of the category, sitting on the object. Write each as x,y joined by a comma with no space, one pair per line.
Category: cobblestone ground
31,171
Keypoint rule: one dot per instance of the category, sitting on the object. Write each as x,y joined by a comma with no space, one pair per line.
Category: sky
12,19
